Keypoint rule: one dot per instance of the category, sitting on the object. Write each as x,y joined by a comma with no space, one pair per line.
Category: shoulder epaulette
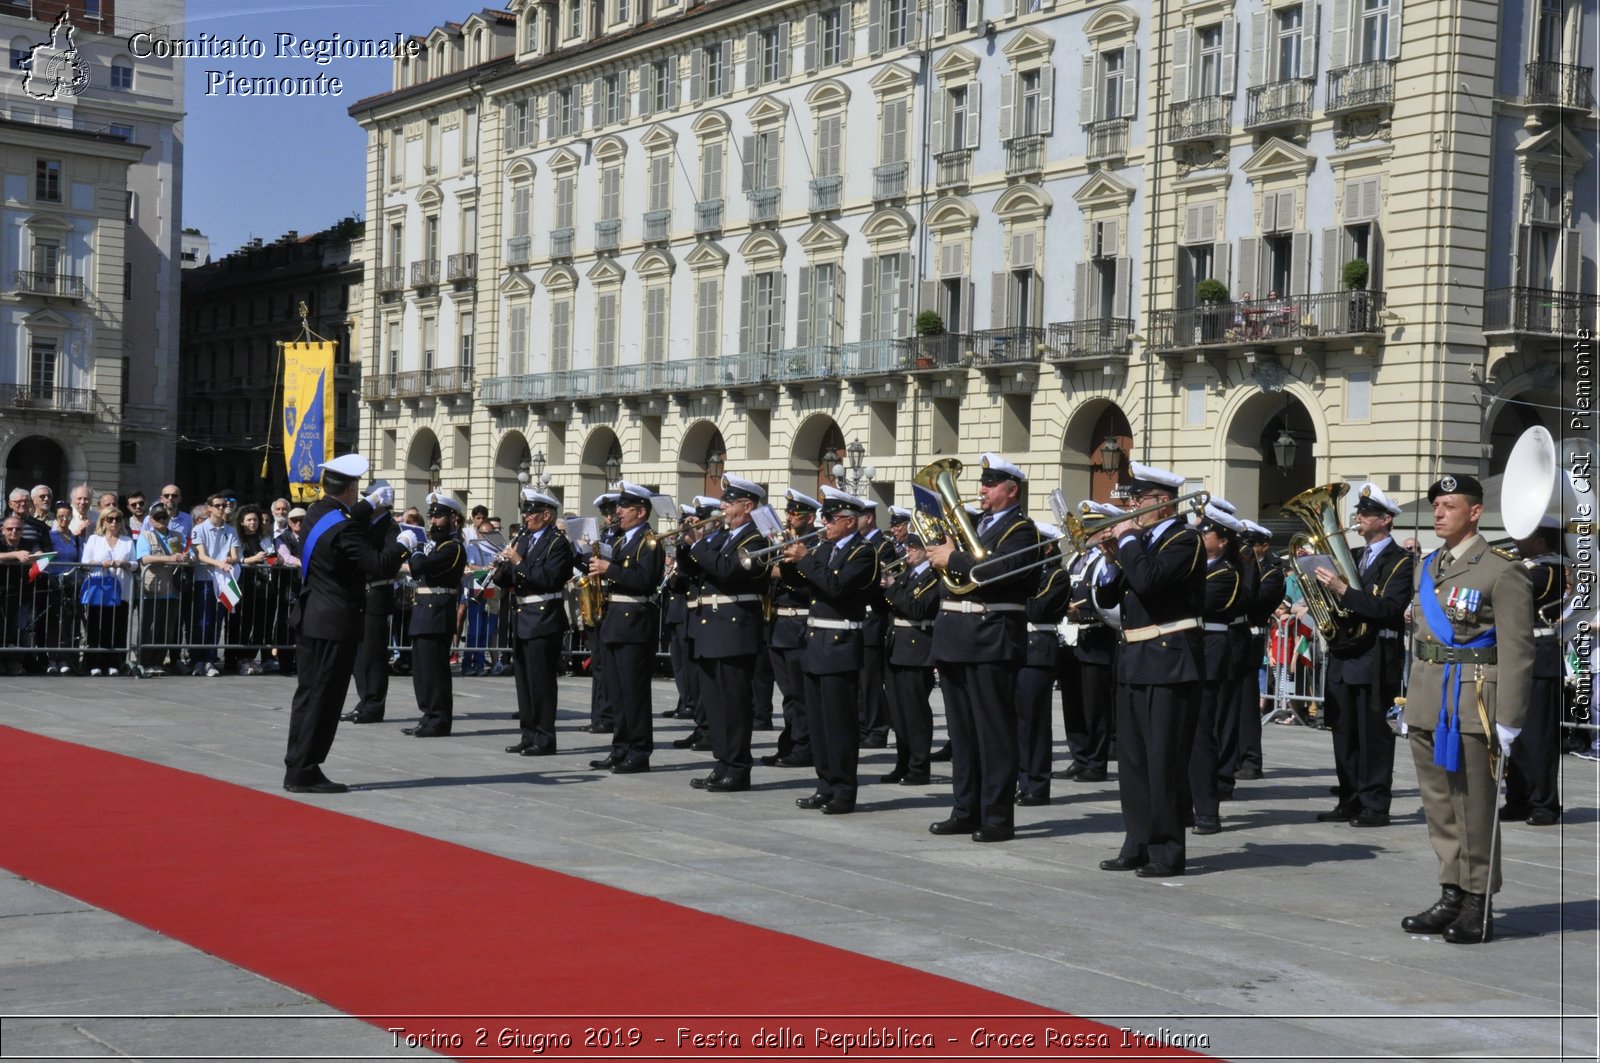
1507,554
1022,522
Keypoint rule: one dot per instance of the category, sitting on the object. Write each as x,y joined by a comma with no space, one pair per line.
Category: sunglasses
170,494
113,520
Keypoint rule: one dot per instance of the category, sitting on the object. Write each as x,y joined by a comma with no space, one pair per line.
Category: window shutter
752,60
810,62
874,27
1249,260
1180,64
1047,96
1008,8
1080,292
936,122
1122,298
999,293
1287,213
1022,245
1375,258
930,298
597,91
1332,260
769,160
869,296
623,97
1086,86
1130,81
1571,261
936,19
1394,30
750,175
783,52
1351,214
1308,42
1300,265
672,82
745,314
950,260
1369,199
1191,225
1230,53
1219,261
647,94
550,103
697,80
974,114
727,66
903,319
1008,94
1269,212
1258,49
1111,236
1339,35
802,324
1208,223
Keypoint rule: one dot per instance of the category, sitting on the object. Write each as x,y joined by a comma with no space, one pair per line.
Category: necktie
983,525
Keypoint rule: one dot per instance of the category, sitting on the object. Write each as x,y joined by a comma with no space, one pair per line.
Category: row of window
121,79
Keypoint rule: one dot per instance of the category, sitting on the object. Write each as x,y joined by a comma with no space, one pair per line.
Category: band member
980,639
675,618
602,715
1269,591
1533,770
339,557
1474,647
786,639
1088,706
534,570
842,570
630,629
1224,603
873,711
1160,585
1239,678
914,597
1364,671
688,575
899,525
1036,681
729,631
372,656
437,568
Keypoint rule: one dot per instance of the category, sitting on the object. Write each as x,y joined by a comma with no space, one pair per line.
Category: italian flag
482,588
40,563
1302,643
228,593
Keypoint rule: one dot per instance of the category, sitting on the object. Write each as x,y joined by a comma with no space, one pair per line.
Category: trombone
1078,528
699,525
763,556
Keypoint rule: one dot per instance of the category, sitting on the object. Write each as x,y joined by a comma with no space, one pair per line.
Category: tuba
1318,510
940,517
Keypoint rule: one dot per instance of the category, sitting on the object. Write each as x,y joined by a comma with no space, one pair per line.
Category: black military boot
1441,915
1475,924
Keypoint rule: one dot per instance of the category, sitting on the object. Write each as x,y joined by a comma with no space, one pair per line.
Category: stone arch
815,436
423,453
698,471
1250,477
32,459
511,458
1114,21
601,444
1023,202
952,213
1082,452
610,148
1527,399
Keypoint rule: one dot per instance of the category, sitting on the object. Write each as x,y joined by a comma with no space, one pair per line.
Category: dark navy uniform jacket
1269,589
790,590
333,592
1224,604
1161,579
1048,608
728,629
635,572
545,567
1096,638
1381,601
843,581
1549,578
997,637
914,598
877,629
441,567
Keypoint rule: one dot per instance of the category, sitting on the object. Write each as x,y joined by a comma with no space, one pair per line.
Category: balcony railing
889,181
462,267
1259,321
805,363
1362,86
1561,85
607,234
657,226
764,204
46,399
1280,103
424,274
561,242
520,388
48,282
953,168
1090,339
519,250
451,380
748,367
827,194
1539,311
1108,139
708,216
416,383
1010,345
947,350
875,357
390,278
1024,156
1202,119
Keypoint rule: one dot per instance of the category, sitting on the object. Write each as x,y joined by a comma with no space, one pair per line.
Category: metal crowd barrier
1297,683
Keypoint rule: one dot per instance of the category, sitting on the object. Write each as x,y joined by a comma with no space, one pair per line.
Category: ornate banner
307,406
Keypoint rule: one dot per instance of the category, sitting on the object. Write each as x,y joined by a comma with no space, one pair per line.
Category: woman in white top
110,553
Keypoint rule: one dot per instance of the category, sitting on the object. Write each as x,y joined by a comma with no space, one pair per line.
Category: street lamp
857,475
1111,456
613,468
433,473
1284,449
716,461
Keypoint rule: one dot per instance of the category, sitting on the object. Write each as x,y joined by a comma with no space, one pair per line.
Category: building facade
235,313
1268,244
79,76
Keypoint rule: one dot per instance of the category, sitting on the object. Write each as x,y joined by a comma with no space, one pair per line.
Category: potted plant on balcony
928,323
1355,275
1210,294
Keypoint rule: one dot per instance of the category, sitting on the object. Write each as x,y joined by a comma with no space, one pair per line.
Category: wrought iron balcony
451,380
764,204
827,194
1091,339
953,168
1280,103
561,242
748,367
48,282
424,274
889,181
520,388
390,278
1266,321
462,267
1009,346
607,235
1024,156
1560,85
1361,87
1205,118
43,399
1108,139
519,251
417,383
947,350
1538,311
875,358
805,363
708,216
657,226
649,377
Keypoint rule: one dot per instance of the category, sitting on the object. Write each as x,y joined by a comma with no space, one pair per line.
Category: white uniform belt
453,591
1155,631
1042,628
951,606
1257,630
1214,627
1241,622
1544,632
629,599
922,625
535,599
835,625
724,599
1387,634
374,584
790,610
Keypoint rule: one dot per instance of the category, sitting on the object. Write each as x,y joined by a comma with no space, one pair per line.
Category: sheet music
767,522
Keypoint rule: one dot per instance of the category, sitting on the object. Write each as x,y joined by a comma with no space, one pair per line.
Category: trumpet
893,569
763,556
700,525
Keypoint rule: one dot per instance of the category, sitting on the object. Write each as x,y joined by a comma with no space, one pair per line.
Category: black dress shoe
761,725
317,786
893,776
518,748
916,779
1248,773
1031,800
704,782
726,785
1475,924
1435,919
941,754
837,807
605,762
1338,813
539,751
993,834
1122,863
669,714
1514,811
360,717
411,730
810,802
953,825
790,760
1090,775
631,767
1369,817
769,759
874,742
685,743
1207,825
1542,817
599,729
348,717
1158,871
430,732
702,746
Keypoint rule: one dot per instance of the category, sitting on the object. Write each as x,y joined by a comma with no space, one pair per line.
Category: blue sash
328,520
1446,752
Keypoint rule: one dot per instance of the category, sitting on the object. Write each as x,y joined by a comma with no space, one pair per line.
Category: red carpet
267,884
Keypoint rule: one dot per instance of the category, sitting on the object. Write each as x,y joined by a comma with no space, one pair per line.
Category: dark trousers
158,630
324,679
602,711
1203,792
1096,697
1227,730
1250,707
762,681
678,655
725,684
1155,725
1035,685
627,679
871,712
794,740
1363,745
430,678
372,666
536,662
105,631
912,715
981,714
1534,768
835,733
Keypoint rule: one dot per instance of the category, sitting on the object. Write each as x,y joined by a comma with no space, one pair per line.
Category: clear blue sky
260,166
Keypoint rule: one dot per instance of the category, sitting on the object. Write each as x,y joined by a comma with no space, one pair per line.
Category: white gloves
382,498
408,539
1507,735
